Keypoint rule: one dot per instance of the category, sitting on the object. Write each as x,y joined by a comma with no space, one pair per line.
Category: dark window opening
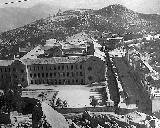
67,73
73,81
35,81
50,74
39,82
22,71
31,75
55,81
35,75
72,74
55,68
80,66
31,81
46,74
71,67
59,81
23,79
55,74
68,81
42,74
58,67
89,68
81,74
82,81
90,78
14,69
62,67
76,80
38,75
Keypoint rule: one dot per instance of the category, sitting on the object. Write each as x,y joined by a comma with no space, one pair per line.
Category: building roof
6,62
33,53
55,60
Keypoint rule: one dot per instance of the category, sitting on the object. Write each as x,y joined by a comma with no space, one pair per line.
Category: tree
65,104
94,101
59,103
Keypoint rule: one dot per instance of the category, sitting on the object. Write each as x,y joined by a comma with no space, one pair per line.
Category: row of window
55,81
5,77
56,74
5,69
55,67
9,70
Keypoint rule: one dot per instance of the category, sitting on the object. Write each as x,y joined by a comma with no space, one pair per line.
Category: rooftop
55,60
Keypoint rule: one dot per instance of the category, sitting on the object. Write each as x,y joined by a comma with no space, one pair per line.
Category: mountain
13,17
114,18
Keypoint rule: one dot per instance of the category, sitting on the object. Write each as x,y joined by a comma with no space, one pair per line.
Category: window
82,81
0,69
76,66
80,66
76,80
38,75
14,69
73,81
38,68
67,67
35,81
55,81
23,79
81,74
35,75
39,82
59,81
22,71
62,67
68,81
58,67
42,74
46,74
55,68
31,81
71,67
72,74
89,68
55,74
31,75
50,74
67,73
63,74
90,78
42,67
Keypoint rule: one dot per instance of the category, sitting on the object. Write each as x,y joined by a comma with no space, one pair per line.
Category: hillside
114,18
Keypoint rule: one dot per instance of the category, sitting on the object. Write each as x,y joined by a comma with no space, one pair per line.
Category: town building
54,71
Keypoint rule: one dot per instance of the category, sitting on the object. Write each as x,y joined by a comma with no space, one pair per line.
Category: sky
144,6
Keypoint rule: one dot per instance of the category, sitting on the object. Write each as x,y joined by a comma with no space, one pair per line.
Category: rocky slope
114,18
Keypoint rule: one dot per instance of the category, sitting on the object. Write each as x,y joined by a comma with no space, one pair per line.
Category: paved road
132,87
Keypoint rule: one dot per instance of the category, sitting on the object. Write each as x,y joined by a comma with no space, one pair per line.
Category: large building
54,71
78,60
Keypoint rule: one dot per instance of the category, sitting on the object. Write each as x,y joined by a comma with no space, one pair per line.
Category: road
133,88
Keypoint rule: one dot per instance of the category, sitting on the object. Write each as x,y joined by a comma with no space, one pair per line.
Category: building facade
73,70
